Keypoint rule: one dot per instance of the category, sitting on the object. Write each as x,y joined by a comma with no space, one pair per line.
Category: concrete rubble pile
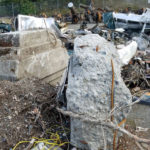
33,53
89,90
120,41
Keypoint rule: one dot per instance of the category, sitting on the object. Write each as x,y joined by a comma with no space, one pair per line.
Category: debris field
76,81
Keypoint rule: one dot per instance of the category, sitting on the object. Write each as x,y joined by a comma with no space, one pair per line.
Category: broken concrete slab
7,69
89,90
9,39
139,116
25,38
49,62
31,54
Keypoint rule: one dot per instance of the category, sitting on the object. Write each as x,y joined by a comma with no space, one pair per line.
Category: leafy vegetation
36,7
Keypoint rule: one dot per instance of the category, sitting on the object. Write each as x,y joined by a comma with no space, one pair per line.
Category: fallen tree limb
139,146
109,124
117,108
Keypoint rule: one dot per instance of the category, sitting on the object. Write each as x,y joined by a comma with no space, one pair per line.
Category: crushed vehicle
133,21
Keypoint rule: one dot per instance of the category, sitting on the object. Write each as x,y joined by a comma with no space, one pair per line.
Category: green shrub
27,7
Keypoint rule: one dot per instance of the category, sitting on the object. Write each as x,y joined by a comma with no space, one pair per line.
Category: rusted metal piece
98,16
112,90
115,133
74,14
97,48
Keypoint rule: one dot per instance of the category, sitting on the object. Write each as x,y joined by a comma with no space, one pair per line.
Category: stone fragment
89,90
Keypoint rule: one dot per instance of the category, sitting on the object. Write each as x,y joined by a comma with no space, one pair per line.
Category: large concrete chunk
43,64
36,53
26,38
89,90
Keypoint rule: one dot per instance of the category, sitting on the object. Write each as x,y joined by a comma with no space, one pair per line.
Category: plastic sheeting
127,52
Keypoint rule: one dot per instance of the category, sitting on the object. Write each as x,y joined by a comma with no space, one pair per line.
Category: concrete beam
32,54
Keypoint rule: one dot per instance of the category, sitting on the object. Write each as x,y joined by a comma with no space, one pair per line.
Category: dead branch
139,146
112,90
116,108
102,122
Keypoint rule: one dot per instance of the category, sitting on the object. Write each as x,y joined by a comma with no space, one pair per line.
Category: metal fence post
57,4
35,8
12,6
79,3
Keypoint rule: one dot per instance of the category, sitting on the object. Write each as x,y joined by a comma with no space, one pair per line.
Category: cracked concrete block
89,90
35,53
43,64
8,69
10,39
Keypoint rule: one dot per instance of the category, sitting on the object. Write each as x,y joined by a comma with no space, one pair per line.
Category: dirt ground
127,143
27,109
